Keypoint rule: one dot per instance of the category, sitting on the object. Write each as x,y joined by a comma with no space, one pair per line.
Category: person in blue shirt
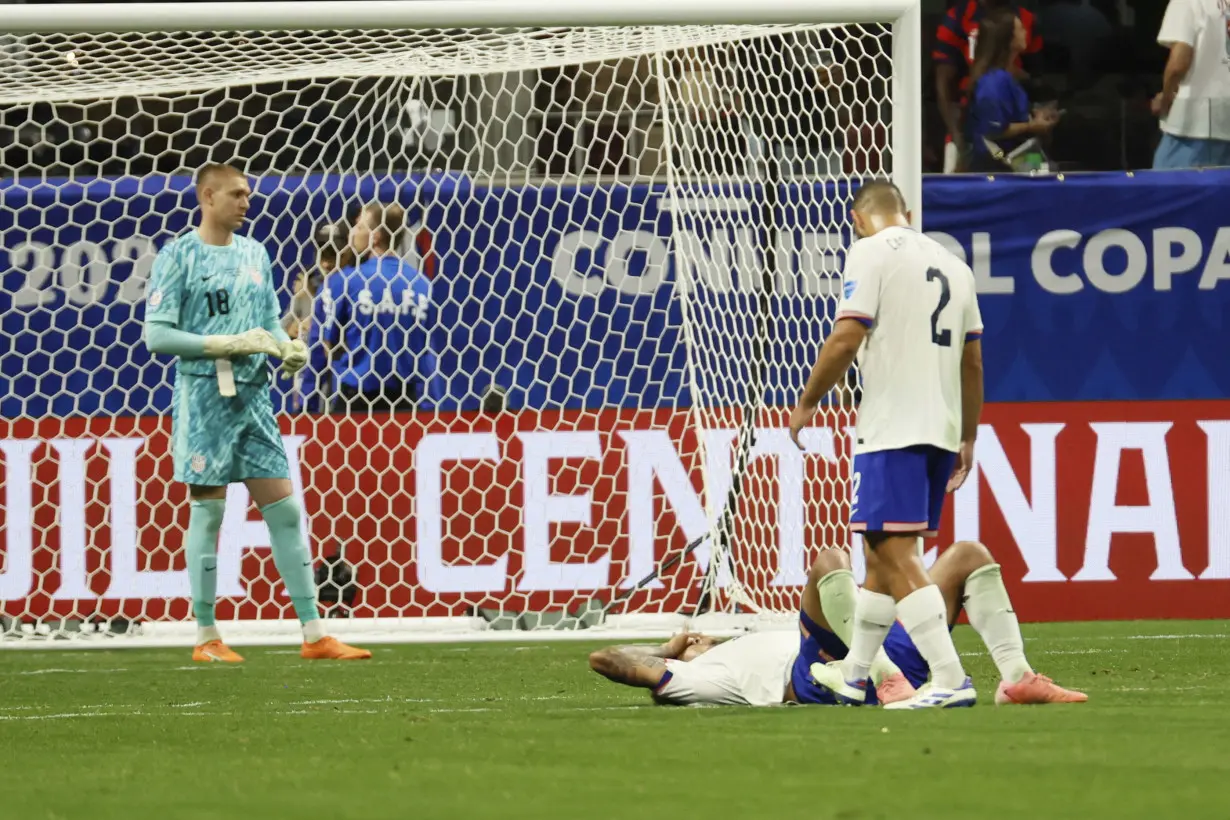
999,108
375,320
313,386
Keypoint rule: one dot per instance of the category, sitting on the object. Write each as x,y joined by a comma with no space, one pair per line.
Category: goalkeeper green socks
204,521
838,597
291,557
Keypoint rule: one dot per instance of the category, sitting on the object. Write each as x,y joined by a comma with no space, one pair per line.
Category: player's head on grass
702,645
377,229
224,195
878,204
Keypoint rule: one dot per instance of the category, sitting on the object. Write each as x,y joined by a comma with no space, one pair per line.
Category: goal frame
904,17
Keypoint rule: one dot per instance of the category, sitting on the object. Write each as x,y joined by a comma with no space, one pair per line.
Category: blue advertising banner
1096,287
1104,286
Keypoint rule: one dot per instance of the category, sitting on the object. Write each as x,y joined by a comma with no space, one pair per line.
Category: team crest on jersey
155,299
198,463
254,272
849,287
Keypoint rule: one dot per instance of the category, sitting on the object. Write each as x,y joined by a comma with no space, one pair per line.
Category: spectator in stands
314,383
375,319
790,101
330,242
709,136
999,119
1194,103
956,40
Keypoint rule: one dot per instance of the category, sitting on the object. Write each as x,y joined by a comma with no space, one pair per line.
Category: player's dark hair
994,47
880,196
329,239
214,171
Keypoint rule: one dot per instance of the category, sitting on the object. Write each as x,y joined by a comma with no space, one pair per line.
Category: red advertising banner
1095,510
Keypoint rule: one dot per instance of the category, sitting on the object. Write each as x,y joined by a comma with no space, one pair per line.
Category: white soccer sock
925,618
874,614
205,634
990,613
838,599
314,630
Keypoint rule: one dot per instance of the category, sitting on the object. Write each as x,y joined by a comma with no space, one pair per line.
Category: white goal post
631,219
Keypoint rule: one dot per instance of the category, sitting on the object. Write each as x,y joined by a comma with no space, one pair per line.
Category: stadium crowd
1085,85
1081,82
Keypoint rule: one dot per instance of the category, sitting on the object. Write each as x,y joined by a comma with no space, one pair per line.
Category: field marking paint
1105,638
1077,651
61,671
1156,689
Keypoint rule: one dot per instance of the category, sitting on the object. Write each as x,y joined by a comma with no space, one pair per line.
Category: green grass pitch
501,731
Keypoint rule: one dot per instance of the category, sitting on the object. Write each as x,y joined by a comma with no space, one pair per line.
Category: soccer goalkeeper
211,305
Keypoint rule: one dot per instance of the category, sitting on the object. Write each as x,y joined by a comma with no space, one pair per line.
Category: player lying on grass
771,667
211,305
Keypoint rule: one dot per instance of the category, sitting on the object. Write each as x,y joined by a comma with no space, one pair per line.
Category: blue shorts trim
816,645
900,490
822,646
902,651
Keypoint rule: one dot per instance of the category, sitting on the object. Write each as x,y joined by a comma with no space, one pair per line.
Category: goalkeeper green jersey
214,290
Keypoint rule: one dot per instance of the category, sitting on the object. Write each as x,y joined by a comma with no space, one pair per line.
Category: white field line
110,710
1167,688
1179,637
1072,651
62,671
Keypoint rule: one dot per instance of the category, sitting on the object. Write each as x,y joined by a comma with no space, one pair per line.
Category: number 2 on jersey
943,338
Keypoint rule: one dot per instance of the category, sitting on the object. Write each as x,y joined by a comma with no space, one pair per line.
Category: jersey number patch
219,302
943,338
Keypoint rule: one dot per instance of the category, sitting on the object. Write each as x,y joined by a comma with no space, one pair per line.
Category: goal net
633,237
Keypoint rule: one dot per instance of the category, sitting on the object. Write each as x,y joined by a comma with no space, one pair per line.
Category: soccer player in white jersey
773,667
211,305
910,314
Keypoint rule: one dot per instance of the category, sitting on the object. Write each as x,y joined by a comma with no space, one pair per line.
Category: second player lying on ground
773,667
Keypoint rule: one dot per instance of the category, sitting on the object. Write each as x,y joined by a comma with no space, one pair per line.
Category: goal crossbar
391,14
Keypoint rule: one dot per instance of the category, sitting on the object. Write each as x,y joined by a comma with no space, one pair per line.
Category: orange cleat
333,650
215,652
1035,688
894,688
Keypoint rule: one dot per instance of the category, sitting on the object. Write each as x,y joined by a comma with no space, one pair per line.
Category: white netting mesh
633,237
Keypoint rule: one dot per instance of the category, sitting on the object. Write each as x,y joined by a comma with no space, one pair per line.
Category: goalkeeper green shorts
217,439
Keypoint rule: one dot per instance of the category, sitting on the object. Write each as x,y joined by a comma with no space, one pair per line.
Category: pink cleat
894,688
1035,688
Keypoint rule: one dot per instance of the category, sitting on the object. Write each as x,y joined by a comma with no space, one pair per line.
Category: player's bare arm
835,359
641,666
971,410
946,93
1177,66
